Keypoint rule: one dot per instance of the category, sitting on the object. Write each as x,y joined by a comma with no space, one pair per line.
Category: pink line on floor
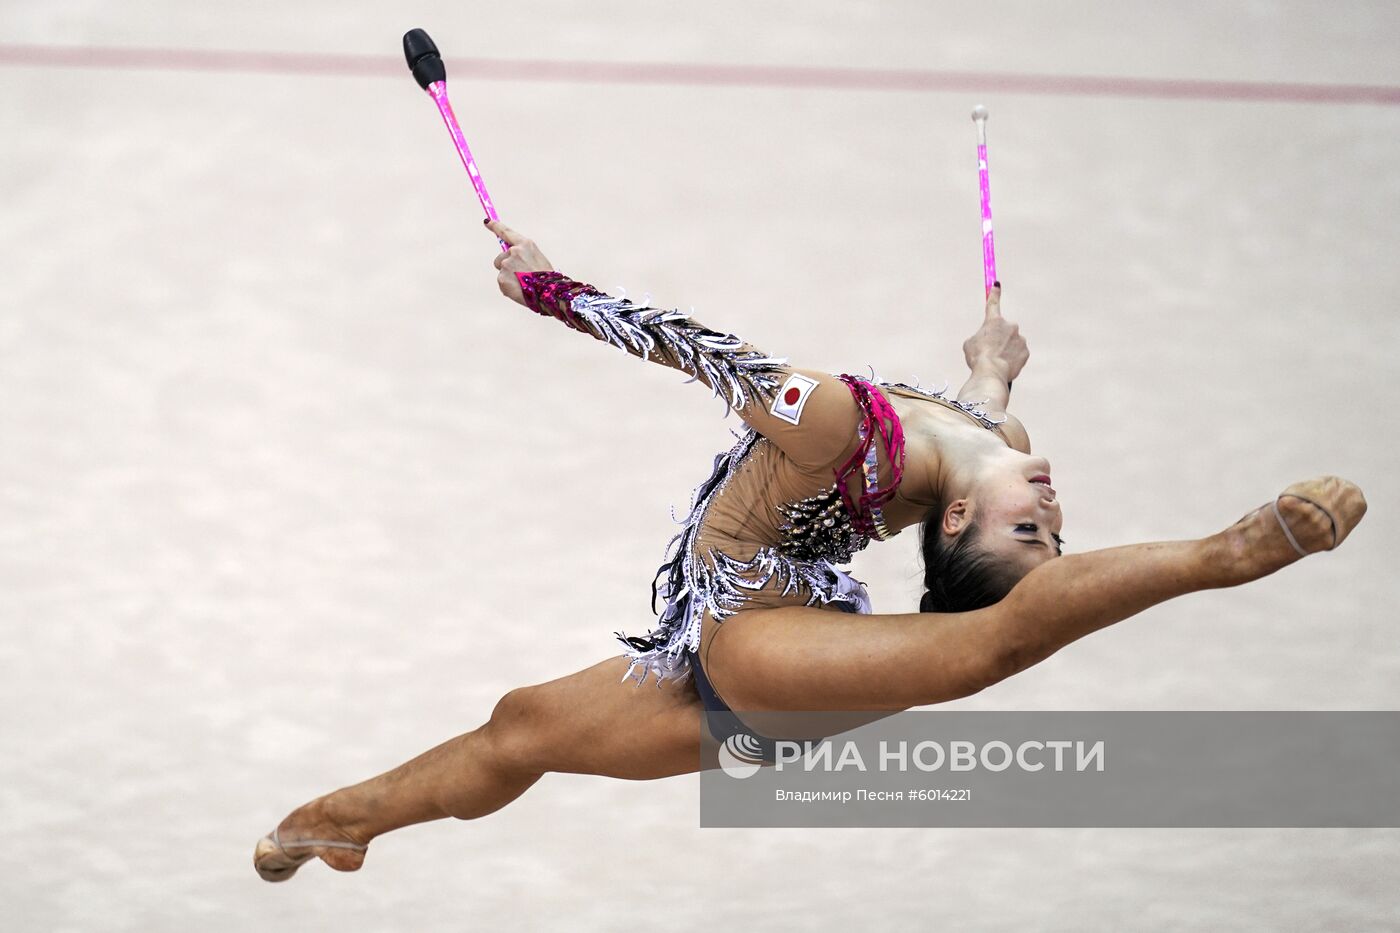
868,79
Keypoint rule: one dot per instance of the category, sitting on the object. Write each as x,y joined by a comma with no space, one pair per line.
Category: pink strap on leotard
880,417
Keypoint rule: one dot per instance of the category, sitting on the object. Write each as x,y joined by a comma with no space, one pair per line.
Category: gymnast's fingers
517,259
505,233
994,302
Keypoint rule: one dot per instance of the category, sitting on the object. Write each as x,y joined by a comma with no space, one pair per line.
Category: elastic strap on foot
306,843
1288,533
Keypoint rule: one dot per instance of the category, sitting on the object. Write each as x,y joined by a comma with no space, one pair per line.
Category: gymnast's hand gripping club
431,75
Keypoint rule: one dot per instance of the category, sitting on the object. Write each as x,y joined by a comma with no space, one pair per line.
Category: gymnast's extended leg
797,659
590,722
809,659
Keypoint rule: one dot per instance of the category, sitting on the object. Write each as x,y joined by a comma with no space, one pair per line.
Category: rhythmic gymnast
757,617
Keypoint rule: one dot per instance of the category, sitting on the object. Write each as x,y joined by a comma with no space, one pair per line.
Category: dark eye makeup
1033,528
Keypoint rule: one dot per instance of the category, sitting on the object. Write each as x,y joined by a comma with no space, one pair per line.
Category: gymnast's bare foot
310,831
1308,517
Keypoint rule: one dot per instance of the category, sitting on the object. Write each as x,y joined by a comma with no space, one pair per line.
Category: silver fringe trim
735,374
972,408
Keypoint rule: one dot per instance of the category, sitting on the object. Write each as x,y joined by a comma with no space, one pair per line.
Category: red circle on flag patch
791,396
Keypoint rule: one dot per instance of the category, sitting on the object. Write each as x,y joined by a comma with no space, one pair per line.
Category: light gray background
288,493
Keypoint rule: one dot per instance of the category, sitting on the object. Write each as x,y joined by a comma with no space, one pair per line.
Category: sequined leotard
800,492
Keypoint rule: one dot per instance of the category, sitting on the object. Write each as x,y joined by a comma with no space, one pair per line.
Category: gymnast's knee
515,733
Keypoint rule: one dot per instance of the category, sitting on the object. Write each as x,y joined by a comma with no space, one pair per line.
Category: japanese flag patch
791,397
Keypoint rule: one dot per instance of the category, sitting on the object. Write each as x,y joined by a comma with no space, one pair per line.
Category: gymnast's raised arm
808,414
995,356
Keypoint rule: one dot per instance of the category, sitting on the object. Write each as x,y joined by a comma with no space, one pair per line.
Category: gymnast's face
1017,515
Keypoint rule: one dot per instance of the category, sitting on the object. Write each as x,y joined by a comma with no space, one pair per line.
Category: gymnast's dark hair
959,576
